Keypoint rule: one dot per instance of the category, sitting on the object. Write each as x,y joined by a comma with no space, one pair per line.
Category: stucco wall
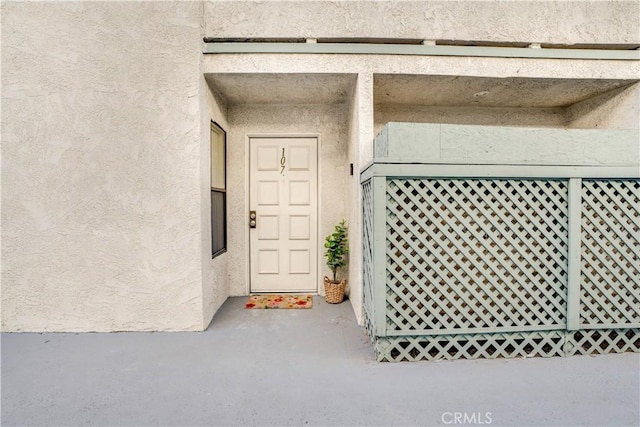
101,133
565,22
215,272
330,121
360,153
619,109
423,65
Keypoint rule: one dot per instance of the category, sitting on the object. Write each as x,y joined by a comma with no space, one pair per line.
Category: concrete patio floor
296,367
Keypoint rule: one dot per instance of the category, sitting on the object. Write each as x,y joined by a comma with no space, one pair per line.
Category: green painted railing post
379,190
574,257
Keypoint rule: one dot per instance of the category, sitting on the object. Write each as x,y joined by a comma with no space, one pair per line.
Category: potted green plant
336,245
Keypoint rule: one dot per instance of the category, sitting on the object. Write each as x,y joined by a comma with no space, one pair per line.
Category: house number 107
283,161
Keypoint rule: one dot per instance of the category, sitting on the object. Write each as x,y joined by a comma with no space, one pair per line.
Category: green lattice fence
610,291
497,267
367,249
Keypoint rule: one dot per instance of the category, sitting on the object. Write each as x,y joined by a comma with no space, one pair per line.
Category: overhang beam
421,50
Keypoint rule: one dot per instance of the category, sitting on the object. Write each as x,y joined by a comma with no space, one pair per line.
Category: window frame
220,133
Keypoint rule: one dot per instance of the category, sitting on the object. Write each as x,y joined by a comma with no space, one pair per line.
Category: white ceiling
398,89
453,91
283,88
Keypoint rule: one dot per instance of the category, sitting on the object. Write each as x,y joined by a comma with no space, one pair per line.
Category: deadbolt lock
252,219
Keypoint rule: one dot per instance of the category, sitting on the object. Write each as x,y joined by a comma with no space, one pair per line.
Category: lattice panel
476,346
596,341
492,346
367,254
610,285
476,254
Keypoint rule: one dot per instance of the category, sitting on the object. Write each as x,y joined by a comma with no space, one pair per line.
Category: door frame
247,187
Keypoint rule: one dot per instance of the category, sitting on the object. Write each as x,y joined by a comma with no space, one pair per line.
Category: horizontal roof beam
422,50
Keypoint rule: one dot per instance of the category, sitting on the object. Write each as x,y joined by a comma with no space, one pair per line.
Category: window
218,190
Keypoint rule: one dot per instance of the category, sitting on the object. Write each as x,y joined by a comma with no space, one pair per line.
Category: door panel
283,193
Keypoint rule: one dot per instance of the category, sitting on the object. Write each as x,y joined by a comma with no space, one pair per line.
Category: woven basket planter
334,292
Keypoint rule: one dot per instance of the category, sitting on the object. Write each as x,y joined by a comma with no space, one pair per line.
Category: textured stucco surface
100,166
436,143
330,122
619,109
424,65
215,272
513,92
564,22
614,109
284,88
360,153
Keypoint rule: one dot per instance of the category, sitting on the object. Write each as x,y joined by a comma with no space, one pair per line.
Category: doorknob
252,219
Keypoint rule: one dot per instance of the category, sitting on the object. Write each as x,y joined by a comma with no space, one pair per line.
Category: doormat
279,301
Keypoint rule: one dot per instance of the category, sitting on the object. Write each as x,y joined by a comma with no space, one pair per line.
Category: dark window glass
218,190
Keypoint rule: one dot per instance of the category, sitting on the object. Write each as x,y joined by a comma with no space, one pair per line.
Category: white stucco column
360,152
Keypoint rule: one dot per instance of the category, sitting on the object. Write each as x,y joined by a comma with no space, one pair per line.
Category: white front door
283,195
